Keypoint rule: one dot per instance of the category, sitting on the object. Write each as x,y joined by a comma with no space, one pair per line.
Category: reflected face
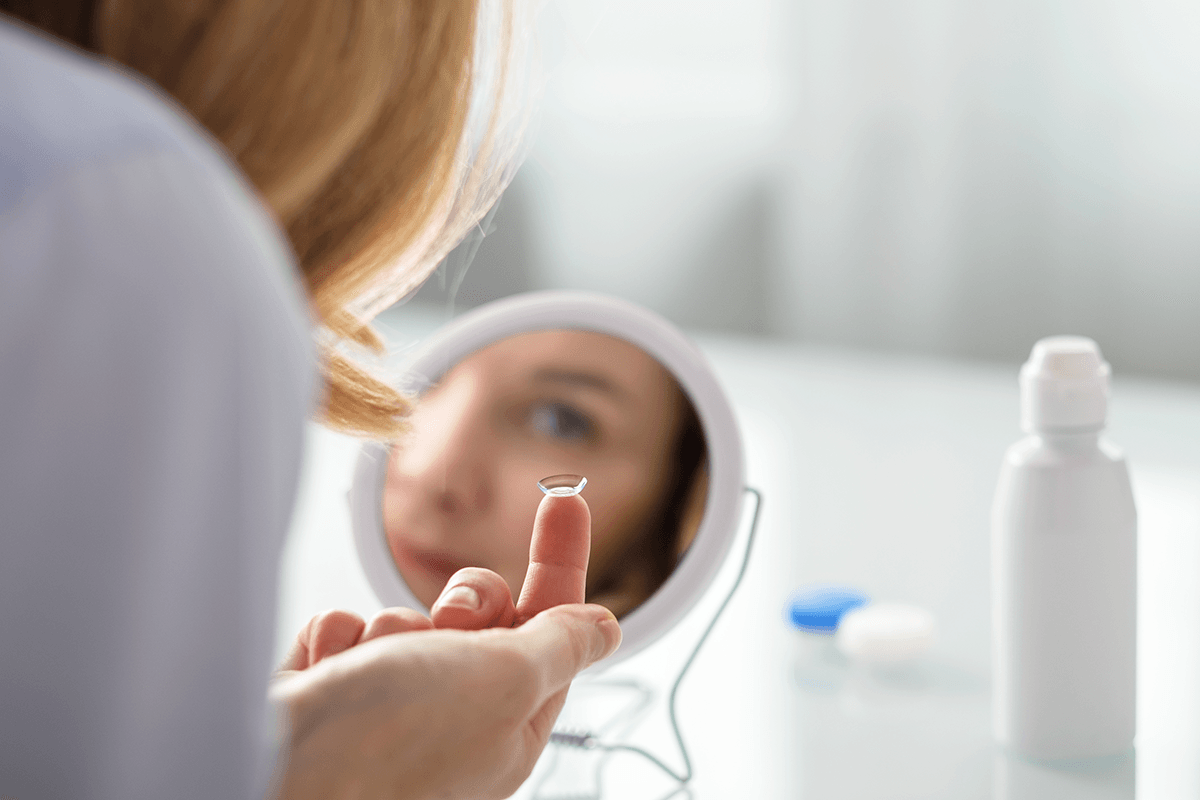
461,488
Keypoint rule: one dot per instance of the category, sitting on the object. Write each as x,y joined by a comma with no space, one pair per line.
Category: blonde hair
355,120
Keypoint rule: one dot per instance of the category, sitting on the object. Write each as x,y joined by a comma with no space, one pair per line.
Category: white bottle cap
1064,386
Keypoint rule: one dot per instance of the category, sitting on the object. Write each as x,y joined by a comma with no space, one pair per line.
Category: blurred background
956,178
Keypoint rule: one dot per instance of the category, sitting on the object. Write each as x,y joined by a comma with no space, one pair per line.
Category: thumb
567,639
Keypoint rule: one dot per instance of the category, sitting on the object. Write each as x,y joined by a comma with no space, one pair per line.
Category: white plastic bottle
1064,567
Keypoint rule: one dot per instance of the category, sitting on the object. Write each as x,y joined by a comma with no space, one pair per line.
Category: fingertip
332,632
395,620
297,657
473,599
567,639
609,628
564,510
600,626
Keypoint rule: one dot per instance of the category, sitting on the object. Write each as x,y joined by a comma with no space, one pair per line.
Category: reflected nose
450,452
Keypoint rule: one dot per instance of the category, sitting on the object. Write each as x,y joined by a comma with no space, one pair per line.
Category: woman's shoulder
113,204
61,110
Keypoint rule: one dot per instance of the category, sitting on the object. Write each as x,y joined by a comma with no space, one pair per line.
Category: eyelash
553,413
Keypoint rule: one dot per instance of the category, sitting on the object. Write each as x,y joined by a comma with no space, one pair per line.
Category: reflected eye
560,421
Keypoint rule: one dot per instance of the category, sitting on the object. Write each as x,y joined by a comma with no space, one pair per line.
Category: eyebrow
577,378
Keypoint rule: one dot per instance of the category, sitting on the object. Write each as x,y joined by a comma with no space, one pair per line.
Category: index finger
558,556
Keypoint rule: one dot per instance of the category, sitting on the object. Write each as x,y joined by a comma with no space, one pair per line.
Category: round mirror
559,384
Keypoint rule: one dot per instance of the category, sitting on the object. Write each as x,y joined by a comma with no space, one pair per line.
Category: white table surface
877,472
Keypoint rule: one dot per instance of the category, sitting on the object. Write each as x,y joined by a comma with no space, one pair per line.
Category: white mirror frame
561,310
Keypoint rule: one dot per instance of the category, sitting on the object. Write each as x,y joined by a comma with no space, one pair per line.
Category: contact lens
562,485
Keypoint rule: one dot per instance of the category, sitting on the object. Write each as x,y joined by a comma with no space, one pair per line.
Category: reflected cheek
620,513
444,429
418,453
512,535
397,503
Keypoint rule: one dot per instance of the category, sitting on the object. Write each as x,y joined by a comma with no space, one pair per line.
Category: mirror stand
628,717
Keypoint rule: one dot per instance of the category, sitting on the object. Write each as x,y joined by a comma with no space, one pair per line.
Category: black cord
588,741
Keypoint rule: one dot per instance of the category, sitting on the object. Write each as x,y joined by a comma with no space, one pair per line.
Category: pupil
560,421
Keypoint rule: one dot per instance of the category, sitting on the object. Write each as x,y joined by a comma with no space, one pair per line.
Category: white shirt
156,371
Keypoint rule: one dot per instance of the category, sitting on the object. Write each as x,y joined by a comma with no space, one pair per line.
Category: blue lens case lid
819,609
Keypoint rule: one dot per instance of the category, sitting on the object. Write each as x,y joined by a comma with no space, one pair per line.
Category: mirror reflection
461,487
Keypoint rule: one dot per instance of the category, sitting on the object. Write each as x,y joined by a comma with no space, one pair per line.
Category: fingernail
461,597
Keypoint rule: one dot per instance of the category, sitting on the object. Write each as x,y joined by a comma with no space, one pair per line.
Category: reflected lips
436,564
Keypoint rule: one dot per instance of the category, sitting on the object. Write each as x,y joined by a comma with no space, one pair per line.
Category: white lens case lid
886,633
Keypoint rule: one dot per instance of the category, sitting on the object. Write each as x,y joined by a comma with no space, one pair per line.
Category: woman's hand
446,713
332,632
473,598
439,713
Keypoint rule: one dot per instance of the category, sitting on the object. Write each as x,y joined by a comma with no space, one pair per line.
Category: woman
186,188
